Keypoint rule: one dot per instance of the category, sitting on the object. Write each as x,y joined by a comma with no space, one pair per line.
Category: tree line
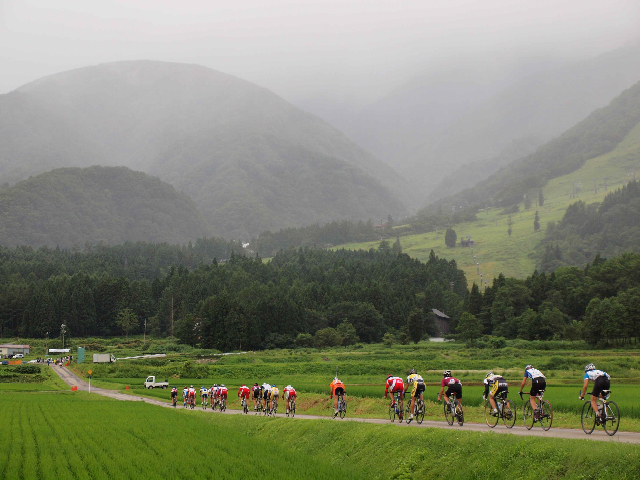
599,303
303,296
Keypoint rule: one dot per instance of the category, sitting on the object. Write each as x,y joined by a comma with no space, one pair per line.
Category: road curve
623,437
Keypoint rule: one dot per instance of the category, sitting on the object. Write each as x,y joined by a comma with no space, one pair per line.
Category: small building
13,349
442,323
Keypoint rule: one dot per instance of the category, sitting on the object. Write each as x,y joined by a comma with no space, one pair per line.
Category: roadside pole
90,372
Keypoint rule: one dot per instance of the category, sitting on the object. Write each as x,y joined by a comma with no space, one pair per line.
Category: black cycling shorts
265,395
455,388
420,388
339,391
537,385
256,393
601,383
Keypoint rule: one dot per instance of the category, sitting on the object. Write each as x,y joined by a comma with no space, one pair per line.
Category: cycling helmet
590,366
389,376
274,385
490,374
446,373
191,386
528,367
215,384
255,384
412,371
222,385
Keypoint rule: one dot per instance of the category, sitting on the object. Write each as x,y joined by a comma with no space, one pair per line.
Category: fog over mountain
250,160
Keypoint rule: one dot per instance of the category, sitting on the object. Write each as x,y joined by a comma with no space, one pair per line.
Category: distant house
442,323
467,242
13,349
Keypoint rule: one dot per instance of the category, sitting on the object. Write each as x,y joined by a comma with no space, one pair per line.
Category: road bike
204,403
608,410
274,407
453,410
506,411
174,401
419,411
243,403
259,406
223,404
292,407
543,414
395,410
342,407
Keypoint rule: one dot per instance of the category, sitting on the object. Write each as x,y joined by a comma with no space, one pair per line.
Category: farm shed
13,349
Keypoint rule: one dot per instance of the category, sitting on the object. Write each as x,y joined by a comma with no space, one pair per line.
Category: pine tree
450,237
540,199
536,222
509,223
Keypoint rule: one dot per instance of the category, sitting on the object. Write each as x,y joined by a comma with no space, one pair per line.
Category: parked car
18,355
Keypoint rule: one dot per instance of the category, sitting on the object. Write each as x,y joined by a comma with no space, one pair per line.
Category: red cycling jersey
289,392
394,384
449,381
243,391
222,392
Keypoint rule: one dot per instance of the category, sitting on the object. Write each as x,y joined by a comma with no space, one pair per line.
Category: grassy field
494,250
364,370
85,436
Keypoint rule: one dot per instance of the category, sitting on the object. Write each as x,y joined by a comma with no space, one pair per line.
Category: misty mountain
113,205
443,120
596,135
250,160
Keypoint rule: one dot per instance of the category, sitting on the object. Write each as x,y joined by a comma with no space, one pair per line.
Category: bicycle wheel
527,414
448,414
459,413
292,409
508,414
392,413
612,420
546,415
419,411
588,419
492,420
343,410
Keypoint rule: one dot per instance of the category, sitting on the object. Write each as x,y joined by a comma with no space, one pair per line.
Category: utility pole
47,346
172,315
63,331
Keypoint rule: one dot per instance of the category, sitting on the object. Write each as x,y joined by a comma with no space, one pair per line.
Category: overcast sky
298,48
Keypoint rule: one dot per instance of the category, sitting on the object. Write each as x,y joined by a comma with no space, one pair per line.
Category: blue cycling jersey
594,374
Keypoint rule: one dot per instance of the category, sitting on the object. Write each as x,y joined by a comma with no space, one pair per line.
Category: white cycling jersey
594,374
533,373
266,387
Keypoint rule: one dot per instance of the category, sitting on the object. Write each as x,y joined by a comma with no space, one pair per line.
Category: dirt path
624,437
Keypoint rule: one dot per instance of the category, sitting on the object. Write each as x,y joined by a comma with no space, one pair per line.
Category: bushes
27,369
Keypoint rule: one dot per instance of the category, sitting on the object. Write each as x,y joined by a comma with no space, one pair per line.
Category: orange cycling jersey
336,384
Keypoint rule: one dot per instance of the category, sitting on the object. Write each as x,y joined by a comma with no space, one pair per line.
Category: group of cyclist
494,385
216,395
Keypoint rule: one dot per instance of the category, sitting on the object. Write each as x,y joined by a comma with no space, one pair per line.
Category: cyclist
185,396
192,395
453,386
494,384
257,394
275,393
203,394
288,395
418,388
174,396
223,392
394,385
243,393
538,385
601,381
266,395
212,392
337,389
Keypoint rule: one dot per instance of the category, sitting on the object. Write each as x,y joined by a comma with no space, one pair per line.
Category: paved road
625,437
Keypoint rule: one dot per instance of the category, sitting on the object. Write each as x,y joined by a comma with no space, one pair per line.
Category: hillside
435,123
73,206
596,135
516,255
250,160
